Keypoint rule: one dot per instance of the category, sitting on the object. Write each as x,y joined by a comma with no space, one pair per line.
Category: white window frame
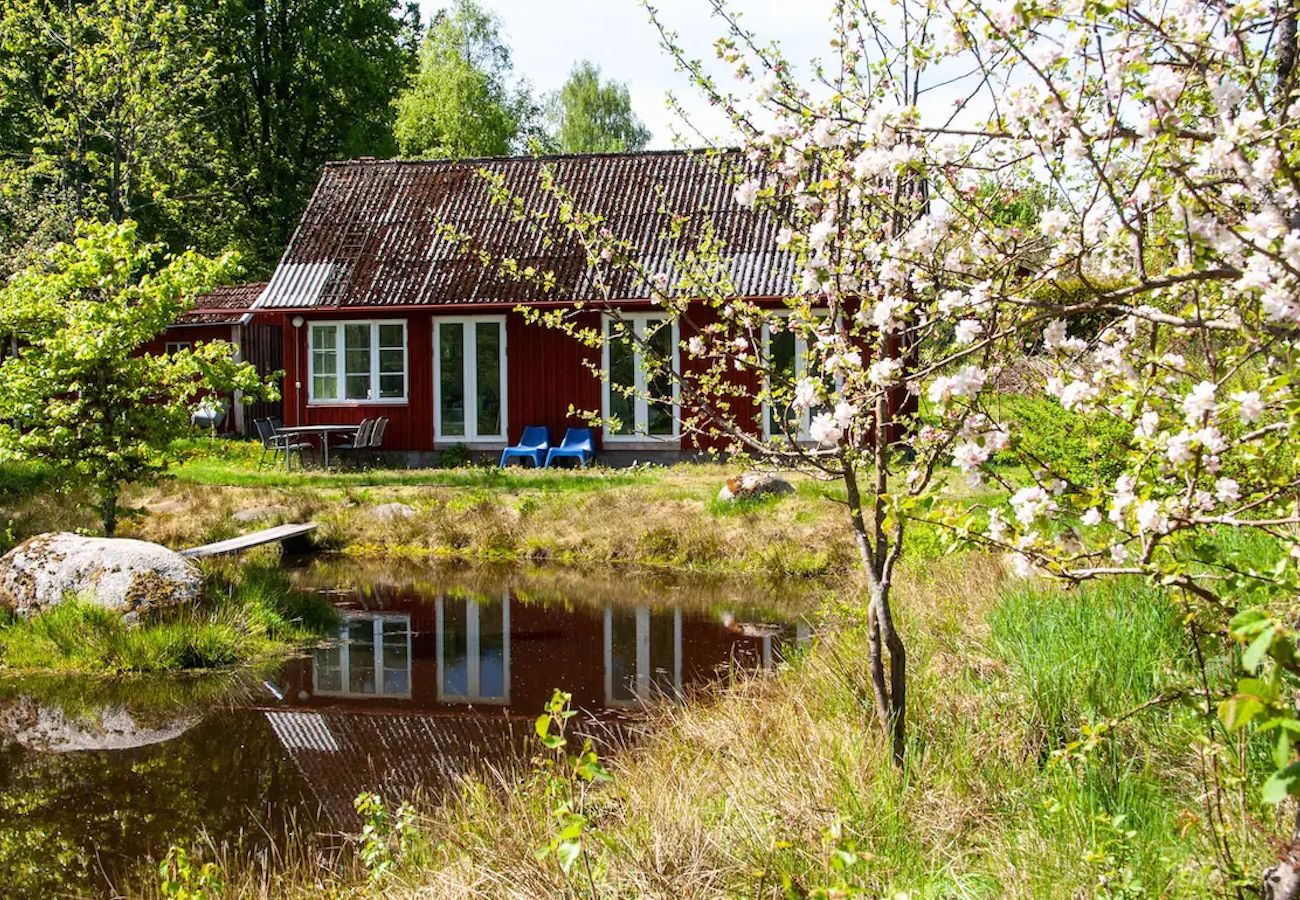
341,371
473,657
345,658
800,366
173,347
640,434
642,686
469,378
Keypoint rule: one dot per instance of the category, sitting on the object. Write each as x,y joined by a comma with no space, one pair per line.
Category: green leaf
567,853
542,726
1254,655
1281,784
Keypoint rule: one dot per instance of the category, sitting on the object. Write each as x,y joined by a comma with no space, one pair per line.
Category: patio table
321,431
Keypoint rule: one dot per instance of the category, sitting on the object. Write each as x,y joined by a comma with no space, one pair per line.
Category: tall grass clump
247,612
1087,655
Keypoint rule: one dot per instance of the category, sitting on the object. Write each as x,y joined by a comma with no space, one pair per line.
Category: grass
249,613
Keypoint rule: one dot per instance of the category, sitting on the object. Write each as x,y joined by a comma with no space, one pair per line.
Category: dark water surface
435,675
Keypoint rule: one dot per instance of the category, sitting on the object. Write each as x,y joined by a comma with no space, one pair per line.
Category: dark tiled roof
225,305
369,236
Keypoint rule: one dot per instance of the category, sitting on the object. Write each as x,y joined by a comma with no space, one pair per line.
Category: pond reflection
432,677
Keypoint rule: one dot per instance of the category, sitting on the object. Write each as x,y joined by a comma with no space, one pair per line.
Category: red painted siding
410,424
548,372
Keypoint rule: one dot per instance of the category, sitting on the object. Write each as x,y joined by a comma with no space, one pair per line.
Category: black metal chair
360,442
275,444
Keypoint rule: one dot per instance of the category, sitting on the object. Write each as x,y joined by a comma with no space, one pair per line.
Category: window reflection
643,655
474,650
372,658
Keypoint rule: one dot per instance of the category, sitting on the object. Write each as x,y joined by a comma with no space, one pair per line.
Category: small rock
388,512
131,578
754,484
258,513
165,506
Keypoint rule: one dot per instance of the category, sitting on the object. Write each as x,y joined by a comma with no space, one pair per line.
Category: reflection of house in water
419,691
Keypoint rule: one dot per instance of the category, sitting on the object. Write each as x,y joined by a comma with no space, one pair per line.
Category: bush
1083,449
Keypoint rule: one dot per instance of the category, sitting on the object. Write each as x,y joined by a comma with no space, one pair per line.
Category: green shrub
1081,448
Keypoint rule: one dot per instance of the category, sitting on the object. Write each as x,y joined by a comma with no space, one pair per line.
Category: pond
436,674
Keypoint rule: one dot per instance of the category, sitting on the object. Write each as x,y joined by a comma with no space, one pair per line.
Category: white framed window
173,347
371,659
473,650
357,362
628,410
643,655
469,357
785,351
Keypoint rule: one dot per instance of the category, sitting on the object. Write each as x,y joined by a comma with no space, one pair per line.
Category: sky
548,36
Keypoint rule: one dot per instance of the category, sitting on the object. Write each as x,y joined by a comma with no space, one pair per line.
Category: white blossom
1250,407
747,193
1200,402
1226,490
825,430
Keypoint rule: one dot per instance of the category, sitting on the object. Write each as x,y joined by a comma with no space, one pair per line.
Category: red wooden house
226,314
381,314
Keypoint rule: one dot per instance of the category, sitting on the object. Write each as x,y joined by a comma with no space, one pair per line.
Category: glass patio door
470,377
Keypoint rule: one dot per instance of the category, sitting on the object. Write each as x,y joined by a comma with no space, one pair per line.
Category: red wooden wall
544,370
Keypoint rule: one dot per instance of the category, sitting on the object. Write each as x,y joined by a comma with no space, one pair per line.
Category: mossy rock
131,578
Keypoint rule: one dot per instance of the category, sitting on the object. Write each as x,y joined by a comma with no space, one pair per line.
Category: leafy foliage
1081,448
588,115
79,395
462,100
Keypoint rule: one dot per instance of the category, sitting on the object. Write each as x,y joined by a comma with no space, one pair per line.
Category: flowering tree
1153,285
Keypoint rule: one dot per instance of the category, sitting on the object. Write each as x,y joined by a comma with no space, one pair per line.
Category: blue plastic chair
533,445
577,445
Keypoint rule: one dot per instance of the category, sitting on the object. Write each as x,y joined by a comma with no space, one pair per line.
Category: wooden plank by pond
282,533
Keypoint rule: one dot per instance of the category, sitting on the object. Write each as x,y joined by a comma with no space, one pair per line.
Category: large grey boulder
132,578
754,484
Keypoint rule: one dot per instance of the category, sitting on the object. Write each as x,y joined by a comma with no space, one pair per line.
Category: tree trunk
108,509
889,689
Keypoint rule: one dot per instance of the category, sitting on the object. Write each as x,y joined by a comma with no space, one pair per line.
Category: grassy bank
248,613
652,518
779,786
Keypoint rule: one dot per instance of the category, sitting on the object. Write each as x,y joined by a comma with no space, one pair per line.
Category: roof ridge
541,157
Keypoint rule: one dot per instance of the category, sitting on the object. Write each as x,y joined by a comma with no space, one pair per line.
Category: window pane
327,666
391,336
392,386
396,662
324,387
391,362
356,361
455,656
324,362
324,337
487,361
622,374
451,377
659,385
622,653
491,651
781,353
663,654
361,657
